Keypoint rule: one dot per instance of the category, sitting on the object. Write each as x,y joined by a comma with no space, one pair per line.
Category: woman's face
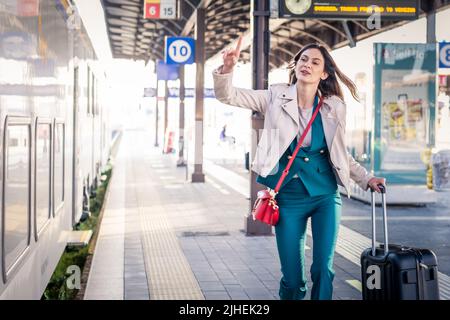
310,67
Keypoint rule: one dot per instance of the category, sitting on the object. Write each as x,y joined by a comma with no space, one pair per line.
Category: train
55,137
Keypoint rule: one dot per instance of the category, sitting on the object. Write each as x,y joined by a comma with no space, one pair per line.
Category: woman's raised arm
256,100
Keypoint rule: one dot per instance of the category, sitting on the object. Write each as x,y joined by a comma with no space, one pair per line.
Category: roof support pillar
431,24
166,116
260,72
181,162
156,113
198,175
429,7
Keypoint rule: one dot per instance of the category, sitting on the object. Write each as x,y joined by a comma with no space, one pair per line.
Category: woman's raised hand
231,57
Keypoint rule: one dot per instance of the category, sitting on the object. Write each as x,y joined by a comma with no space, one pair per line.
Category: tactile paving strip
168,272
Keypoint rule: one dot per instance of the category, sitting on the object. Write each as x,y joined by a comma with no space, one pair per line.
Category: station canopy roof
133,37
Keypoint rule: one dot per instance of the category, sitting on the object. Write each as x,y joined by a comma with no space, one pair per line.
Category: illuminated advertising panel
405,107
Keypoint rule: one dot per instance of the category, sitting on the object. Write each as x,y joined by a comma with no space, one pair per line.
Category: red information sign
160,9
151,10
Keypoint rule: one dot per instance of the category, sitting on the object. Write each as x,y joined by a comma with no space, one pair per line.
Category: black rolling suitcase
395,272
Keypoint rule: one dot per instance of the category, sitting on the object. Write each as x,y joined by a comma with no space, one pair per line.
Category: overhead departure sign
160,9
349,9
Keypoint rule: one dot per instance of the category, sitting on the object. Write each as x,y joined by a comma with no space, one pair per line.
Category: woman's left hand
375,181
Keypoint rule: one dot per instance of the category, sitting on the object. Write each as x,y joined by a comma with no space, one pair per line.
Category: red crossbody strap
299,145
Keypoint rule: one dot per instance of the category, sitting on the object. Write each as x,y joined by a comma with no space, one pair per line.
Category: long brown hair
330,86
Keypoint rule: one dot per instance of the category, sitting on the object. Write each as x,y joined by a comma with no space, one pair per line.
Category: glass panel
405,102
443,113
16,192
59,165
43,144
404,120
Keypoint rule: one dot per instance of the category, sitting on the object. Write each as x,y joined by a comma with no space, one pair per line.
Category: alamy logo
73,19
74,280
374,280
374,21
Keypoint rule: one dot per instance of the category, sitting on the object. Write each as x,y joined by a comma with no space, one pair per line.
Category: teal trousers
296,206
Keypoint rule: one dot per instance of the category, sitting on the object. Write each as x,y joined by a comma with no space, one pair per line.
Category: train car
54,137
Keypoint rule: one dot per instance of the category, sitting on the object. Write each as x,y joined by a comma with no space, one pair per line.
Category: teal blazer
311,164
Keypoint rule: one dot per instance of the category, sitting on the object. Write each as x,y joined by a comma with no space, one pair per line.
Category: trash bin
169,142
441,170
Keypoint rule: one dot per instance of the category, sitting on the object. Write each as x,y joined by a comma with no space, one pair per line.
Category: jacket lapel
329,121
289,104
328,114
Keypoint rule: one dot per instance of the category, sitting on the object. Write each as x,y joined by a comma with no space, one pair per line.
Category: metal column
166,113
430,8
198,175
260,70
431,26
156,114
181,162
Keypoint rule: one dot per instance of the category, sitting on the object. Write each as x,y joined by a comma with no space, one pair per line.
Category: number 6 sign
151,10
179,50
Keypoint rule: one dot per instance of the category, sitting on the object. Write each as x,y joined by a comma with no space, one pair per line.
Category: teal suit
314,194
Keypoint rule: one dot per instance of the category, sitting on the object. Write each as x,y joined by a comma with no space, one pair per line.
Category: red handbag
265,208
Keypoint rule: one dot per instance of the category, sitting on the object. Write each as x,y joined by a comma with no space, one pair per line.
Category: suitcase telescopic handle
383,203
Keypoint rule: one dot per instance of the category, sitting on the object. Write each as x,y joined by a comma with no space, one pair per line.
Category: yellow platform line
355,284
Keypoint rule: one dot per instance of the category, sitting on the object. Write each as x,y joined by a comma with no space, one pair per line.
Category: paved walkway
163,237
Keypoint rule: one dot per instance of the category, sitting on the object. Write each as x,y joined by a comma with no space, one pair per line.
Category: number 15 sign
160,9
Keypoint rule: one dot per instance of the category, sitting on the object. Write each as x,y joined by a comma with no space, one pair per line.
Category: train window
96,98
88,90
42,176
58,195
94,93
17,192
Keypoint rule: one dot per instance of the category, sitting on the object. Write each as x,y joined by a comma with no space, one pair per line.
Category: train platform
165,238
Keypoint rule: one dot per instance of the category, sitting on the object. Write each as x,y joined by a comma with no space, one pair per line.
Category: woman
310,189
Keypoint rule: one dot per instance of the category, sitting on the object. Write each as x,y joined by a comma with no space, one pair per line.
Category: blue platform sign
166,71
190,92
444,55
179,50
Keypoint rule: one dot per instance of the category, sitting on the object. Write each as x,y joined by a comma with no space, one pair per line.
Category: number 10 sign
160,9
179,50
